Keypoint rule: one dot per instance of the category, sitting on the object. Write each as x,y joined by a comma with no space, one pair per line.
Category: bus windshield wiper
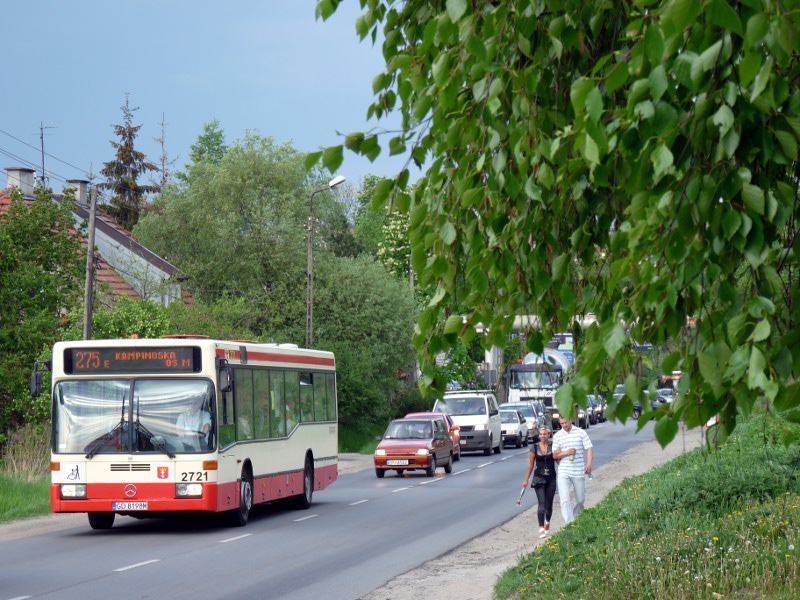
159,443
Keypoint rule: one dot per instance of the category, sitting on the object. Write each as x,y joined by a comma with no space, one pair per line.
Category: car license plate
462,442
129,506
396,463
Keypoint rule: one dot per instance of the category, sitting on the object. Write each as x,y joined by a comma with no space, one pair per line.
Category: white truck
537,377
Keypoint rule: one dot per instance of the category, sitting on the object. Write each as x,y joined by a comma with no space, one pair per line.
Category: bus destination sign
96,361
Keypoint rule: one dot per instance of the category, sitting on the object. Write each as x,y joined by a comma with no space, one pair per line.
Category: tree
366,317
41,280
209,148
238,229
122,174
634,160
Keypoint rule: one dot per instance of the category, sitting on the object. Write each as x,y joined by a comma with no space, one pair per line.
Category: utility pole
43,182
88,292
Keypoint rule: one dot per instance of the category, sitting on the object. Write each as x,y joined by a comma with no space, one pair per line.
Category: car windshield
525,380
462,406
526,411
409,430
507,416
123,416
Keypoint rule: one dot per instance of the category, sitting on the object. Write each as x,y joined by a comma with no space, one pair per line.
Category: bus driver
194,425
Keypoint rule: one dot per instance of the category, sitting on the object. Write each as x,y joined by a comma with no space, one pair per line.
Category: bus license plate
129,506
396,463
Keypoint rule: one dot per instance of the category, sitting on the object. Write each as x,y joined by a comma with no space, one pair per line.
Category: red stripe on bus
284,358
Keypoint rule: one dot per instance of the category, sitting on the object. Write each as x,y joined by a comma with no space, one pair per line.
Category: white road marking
484,465
233,539
305,518
20,598
462,471
401,489
357,503
141,564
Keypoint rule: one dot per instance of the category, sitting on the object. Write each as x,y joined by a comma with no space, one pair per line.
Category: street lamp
310,271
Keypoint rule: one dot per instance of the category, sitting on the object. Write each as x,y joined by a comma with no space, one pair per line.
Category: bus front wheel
241,515
101,520
303,501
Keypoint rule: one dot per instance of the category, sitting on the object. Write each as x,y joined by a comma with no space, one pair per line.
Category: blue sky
261,65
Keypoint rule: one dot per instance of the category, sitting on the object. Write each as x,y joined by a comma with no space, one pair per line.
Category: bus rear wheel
101,520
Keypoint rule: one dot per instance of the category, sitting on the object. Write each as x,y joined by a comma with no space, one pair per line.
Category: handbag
538,481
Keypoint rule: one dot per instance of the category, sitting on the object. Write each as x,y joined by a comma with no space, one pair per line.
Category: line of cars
466,421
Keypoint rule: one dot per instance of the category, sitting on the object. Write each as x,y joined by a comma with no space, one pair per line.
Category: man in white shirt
194,425
573,449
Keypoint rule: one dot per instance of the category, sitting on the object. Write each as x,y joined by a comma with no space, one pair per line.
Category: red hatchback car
420,444
455,431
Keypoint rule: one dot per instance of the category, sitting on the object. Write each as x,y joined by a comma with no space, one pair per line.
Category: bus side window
243,402
306,397
292,399
227,429
320,396
278,400
330,381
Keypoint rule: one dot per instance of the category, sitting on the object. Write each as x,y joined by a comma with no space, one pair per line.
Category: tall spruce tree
122,173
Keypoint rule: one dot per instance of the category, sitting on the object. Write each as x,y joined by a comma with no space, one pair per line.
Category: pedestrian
544,477
572,448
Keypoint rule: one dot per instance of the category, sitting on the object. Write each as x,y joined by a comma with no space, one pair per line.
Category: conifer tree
122,173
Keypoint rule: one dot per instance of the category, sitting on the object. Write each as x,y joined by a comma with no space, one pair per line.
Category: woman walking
544,478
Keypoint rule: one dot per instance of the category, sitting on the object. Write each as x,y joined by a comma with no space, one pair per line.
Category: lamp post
310,270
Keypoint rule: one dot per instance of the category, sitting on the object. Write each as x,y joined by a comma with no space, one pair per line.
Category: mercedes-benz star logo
130,490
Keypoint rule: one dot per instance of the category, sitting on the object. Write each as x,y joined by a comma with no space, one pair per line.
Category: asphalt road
360,533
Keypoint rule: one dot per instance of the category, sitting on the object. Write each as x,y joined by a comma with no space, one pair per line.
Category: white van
477,417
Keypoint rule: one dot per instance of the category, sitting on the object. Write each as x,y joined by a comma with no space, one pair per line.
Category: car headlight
73,490
423,452
380,452
480,427
186,490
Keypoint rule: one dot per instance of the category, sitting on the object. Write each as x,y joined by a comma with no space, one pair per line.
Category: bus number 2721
194,476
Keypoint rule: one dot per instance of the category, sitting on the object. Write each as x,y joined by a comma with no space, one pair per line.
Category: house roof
105,274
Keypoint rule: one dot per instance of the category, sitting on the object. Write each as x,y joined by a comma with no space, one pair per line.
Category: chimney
81,187
22,179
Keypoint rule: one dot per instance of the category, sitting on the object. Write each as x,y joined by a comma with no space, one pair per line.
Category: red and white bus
146,427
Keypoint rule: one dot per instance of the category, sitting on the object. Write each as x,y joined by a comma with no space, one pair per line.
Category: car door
441,441
494,419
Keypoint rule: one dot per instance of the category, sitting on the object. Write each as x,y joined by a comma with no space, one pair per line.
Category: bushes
704,525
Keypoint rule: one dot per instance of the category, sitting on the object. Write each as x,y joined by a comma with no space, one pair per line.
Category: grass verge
22,497
706,525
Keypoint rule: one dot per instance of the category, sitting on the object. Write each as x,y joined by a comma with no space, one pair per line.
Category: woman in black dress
544,477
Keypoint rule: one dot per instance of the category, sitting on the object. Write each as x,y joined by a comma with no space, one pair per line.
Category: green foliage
122,174
369,220
459,368
706,524
631,160
238,227
365,317
41,279
26,456
22,498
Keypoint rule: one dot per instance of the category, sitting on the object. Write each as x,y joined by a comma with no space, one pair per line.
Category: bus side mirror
36,384
224,376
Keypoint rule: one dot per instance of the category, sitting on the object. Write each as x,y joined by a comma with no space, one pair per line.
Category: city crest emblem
163,472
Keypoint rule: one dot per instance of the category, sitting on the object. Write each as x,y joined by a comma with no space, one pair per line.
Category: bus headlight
189,490
73,490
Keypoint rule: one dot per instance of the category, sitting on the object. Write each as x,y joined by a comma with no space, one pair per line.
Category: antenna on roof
43,180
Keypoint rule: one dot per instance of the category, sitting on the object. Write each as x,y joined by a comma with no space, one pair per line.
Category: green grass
360,441
719,525
21,498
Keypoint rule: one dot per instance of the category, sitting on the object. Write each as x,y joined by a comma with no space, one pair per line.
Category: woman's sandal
543,533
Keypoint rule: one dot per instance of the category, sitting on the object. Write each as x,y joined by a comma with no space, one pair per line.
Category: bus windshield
126,416
527,380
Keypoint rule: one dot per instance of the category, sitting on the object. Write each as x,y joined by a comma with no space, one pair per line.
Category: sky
265,66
